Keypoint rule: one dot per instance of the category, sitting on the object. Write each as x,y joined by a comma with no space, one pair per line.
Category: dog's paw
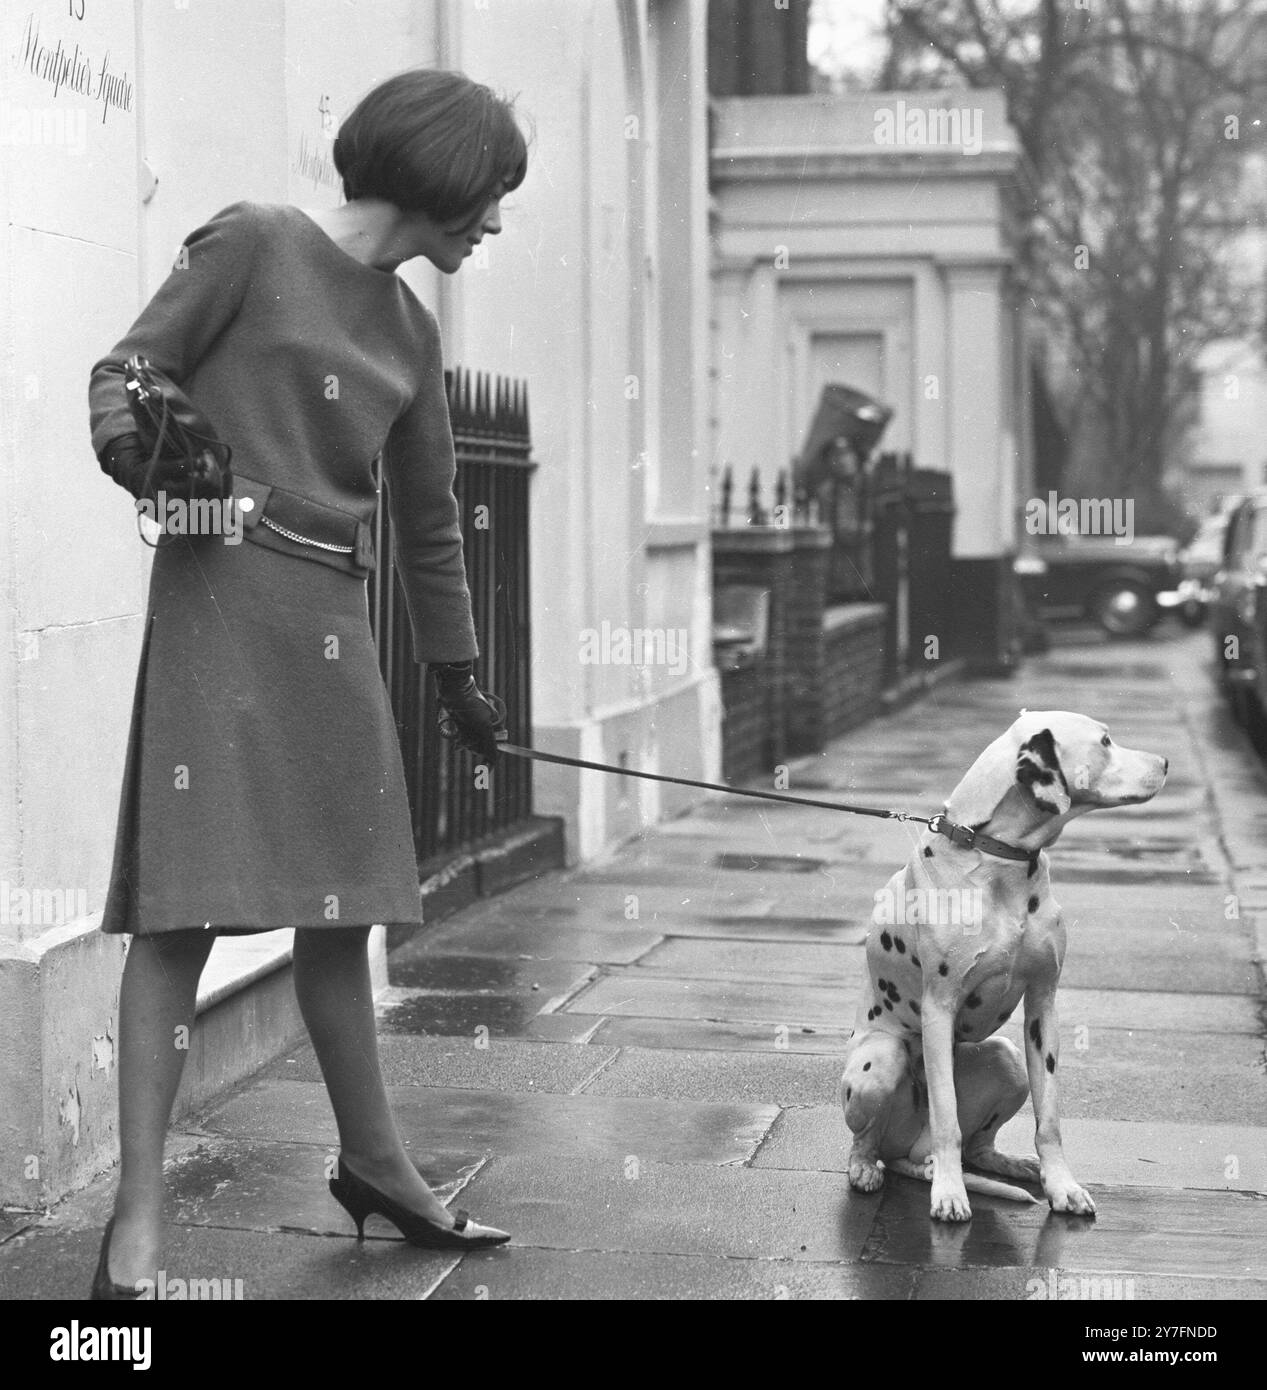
950,1203
990,1160
865,1176
1068,1196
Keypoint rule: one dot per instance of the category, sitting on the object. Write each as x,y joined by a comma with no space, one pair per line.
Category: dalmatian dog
961,935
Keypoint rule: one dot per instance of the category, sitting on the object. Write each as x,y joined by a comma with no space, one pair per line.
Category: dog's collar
967,838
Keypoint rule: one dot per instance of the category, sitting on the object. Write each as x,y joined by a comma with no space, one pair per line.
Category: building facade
127,126
870,241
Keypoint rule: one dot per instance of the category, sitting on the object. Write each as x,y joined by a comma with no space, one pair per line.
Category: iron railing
451,811
891,539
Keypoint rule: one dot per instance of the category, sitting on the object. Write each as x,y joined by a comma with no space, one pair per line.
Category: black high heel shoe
104,1289
360,1200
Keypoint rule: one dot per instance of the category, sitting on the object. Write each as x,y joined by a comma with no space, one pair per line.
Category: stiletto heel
360,1200
103,1287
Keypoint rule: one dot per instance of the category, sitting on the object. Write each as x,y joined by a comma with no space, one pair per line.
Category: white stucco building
125,127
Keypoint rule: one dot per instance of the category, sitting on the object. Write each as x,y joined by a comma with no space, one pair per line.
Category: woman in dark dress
263,786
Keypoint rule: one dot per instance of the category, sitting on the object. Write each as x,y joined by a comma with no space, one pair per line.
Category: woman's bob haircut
432,142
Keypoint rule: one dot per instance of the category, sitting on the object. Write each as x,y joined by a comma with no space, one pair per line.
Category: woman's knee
330,944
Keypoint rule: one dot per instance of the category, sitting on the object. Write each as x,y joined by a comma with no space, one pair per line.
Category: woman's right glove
476,721
127,461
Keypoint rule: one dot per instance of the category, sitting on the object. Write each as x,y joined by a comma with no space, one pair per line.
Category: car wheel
1193,613
1124,609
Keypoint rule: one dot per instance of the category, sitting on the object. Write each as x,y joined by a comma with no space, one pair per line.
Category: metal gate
450,812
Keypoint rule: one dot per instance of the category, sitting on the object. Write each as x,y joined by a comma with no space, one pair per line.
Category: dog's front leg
950,1197
1042,1059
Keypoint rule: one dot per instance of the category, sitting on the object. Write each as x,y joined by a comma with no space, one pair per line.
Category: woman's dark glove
127,461
476,721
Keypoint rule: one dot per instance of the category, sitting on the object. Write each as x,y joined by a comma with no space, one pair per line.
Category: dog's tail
987,1187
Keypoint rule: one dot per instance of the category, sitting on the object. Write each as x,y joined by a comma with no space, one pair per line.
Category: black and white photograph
633,661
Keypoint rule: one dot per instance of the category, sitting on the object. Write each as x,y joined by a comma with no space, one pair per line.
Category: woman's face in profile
447,245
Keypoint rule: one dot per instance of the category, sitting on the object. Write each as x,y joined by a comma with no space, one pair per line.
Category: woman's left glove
476,721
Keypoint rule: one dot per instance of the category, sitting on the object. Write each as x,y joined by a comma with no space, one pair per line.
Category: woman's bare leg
332,984
156,1002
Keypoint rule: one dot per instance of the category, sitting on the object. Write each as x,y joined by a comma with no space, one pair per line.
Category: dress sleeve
199,298
419,467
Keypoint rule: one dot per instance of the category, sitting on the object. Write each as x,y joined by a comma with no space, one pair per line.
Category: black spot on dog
943,969
895,997
888,1006
870,1015
1051,1062
1036,1035
884,984
972,1001
848,1092
928,851
1003,1017
1033,903
886,941
914,958
900,944
914,1006
866,1066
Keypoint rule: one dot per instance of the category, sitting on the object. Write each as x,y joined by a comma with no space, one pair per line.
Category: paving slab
1036,1284
423,969
526,1273
1136,961
263,1185
609,898
781,1077
446,1120
1211,1234
664,996
623,943
703,1035
495,1064
1135,1153
270,1265
571,1202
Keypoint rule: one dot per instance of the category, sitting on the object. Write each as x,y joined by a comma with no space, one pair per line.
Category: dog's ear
1038,768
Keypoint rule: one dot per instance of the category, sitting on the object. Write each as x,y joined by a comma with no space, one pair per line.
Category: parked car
1238,613
1199,561
1123,588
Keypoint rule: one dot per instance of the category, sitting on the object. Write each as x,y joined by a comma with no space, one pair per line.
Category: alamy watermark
936,907
1091,1289
921,126
1081,516
48,127
41,907
640,646
200,516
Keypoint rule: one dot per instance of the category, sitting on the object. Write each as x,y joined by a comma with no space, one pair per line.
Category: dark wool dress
263,785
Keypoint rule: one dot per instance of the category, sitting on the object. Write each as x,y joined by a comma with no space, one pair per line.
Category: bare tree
1136,117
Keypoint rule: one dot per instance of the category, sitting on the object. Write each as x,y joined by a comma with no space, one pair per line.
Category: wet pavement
633,1069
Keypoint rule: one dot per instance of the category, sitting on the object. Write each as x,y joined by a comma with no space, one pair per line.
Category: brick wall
745,724
853,666
805,641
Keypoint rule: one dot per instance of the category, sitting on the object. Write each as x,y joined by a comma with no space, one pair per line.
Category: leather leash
961,835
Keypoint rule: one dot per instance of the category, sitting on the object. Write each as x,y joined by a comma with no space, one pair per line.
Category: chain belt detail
304,540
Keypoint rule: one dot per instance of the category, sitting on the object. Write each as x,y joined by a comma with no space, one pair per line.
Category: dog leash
961,835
